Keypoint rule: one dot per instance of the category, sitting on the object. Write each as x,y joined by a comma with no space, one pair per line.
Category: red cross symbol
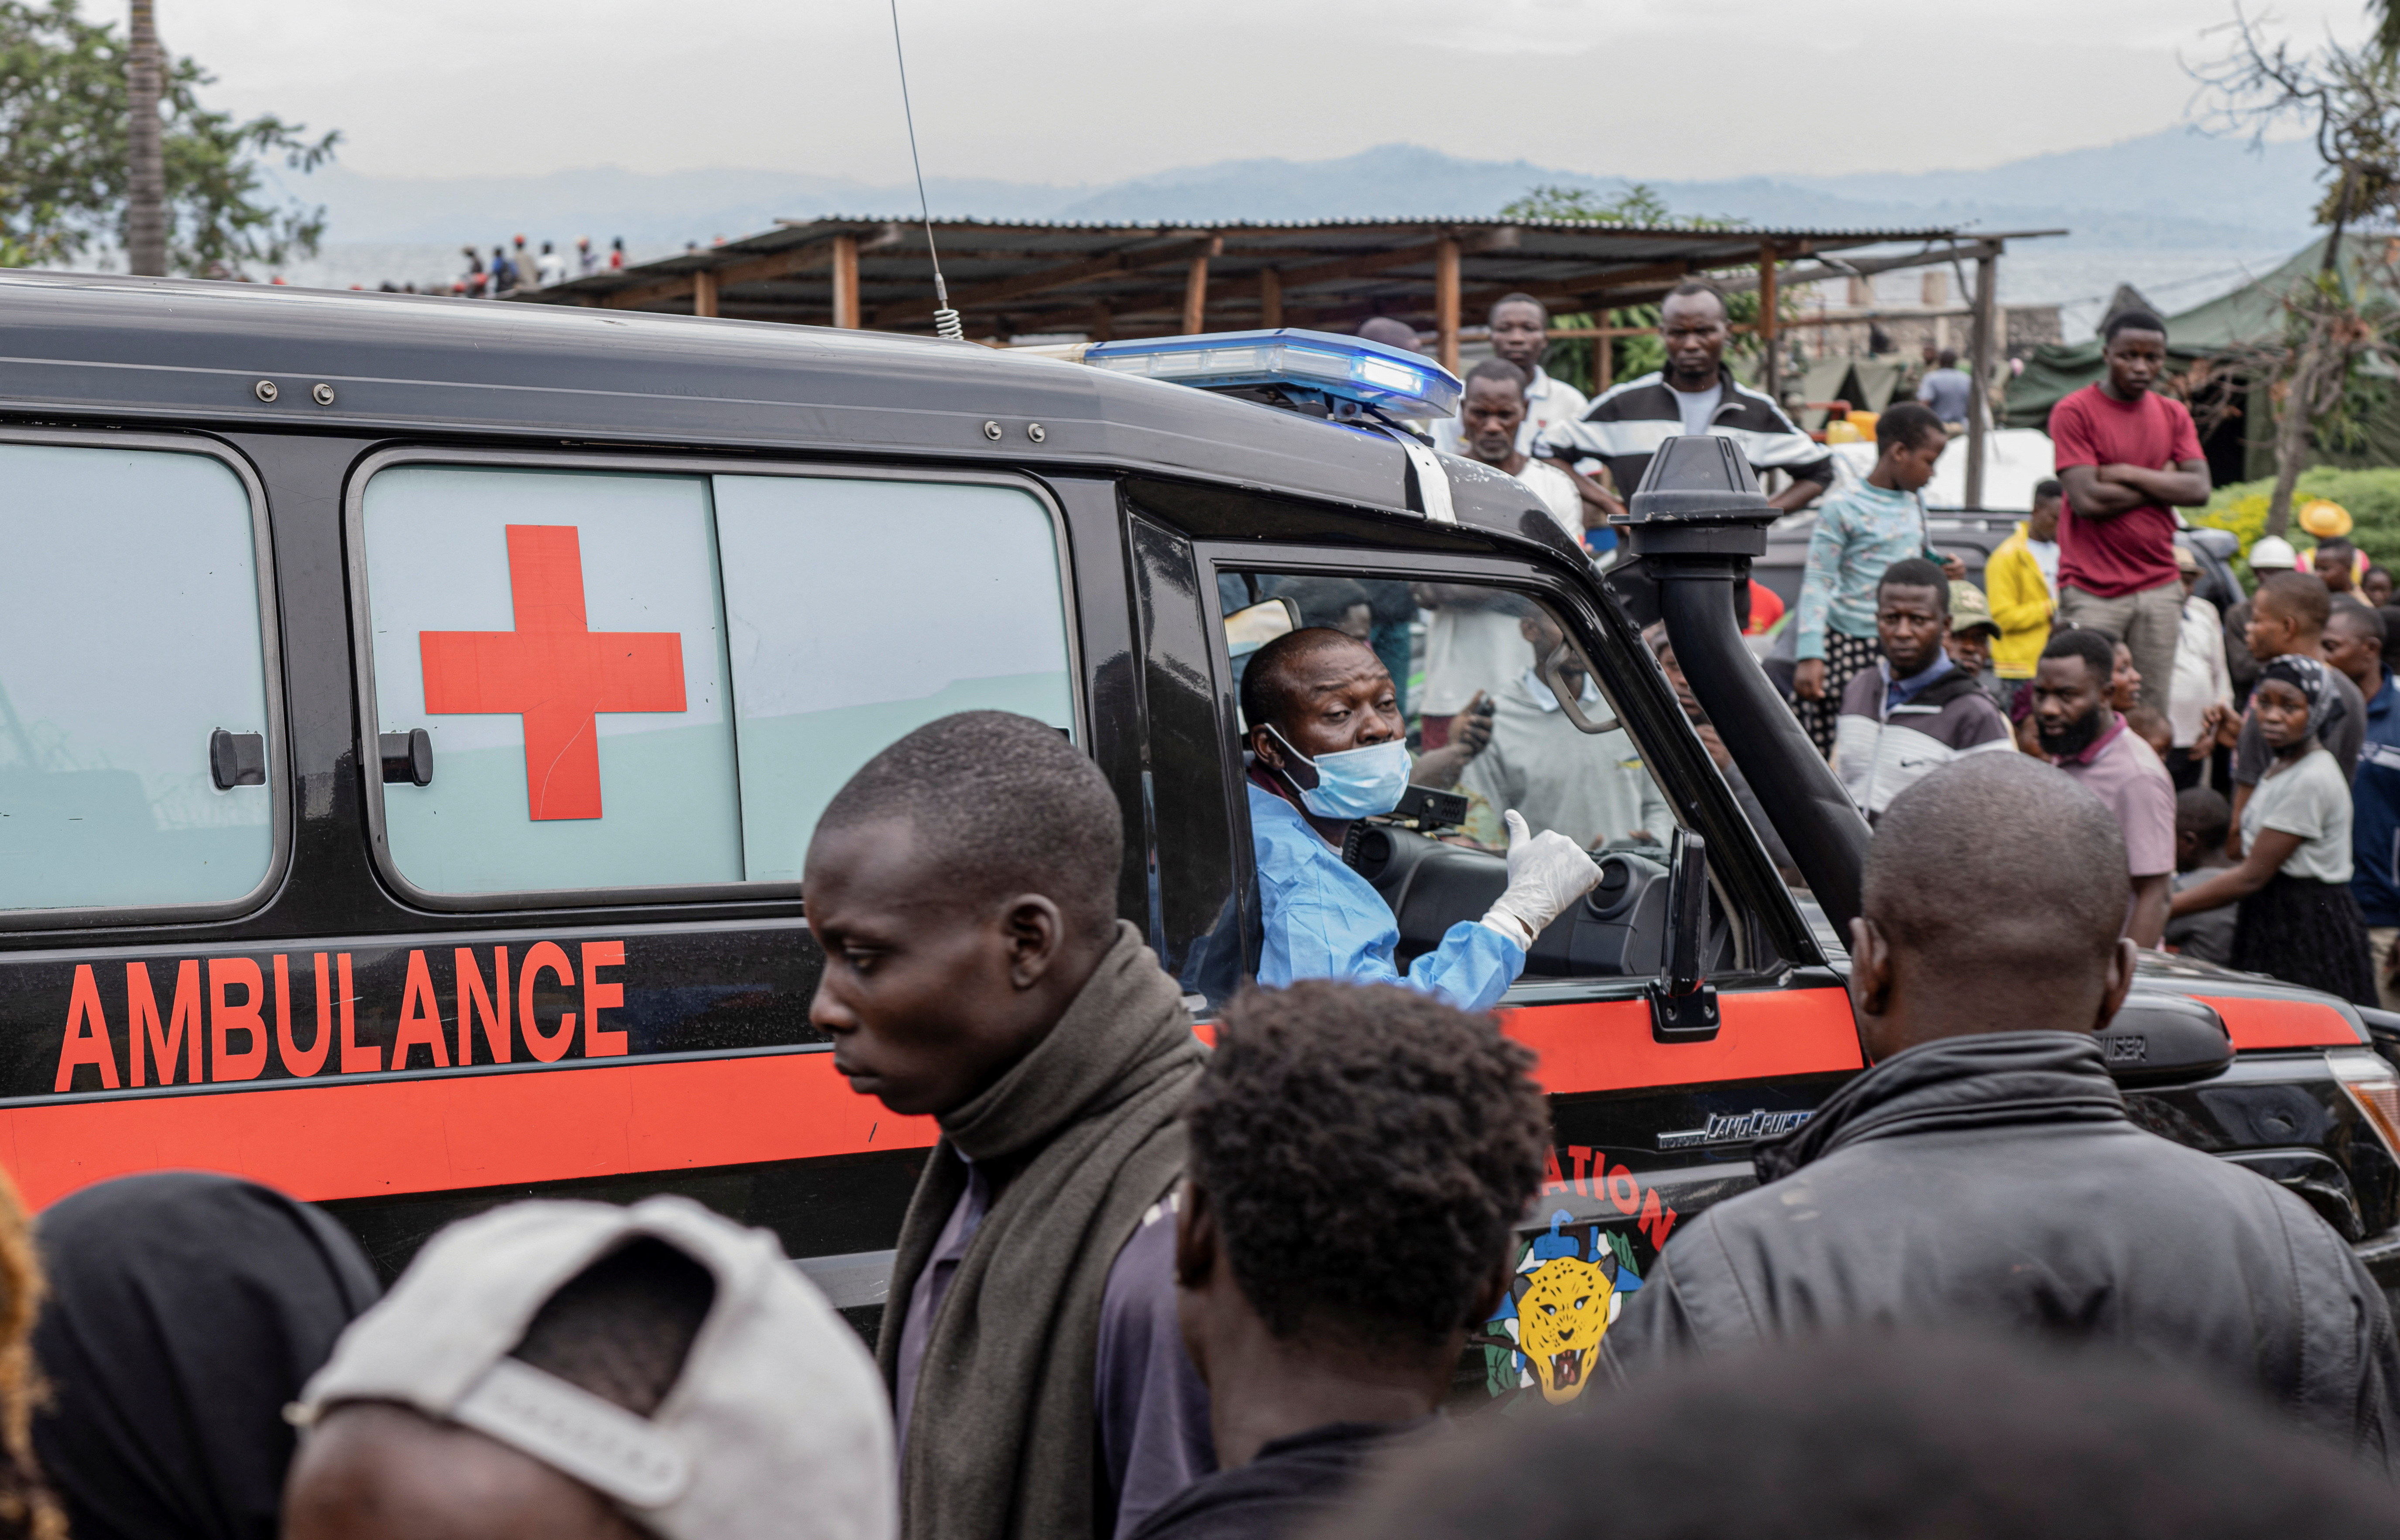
552,671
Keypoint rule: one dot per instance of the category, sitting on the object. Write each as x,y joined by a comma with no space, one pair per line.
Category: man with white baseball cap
556,1370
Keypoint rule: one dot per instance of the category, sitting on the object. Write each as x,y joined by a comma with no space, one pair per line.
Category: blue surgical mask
1354,782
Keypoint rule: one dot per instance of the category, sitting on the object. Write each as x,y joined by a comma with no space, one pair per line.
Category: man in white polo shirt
1521,333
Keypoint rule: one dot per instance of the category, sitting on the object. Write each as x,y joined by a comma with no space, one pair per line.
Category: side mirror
1552,670
1682,1006
1249,629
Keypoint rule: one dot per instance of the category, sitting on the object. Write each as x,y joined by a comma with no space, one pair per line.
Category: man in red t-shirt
2128,459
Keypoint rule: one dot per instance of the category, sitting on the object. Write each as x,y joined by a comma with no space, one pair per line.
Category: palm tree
146,206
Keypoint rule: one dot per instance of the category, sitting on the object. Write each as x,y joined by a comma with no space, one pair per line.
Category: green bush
2372,497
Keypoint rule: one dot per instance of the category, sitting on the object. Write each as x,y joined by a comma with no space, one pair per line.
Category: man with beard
2085,736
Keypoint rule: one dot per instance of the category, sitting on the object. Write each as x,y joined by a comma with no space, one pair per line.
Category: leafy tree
1639,204
64,167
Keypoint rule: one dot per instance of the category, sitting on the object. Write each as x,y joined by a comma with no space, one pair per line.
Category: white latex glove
1546,872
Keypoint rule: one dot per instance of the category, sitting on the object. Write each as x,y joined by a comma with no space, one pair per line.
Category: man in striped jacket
1695,393
1914,711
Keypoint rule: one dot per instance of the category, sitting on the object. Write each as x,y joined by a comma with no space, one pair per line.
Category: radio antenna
945,320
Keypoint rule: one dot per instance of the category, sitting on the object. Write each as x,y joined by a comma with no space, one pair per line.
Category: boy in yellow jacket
2022,581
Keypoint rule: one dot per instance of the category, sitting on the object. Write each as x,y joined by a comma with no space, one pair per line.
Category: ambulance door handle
237,759
407,757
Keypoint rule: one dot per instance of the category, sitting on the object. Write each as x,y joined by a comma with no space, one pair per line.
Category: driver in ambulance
1327,749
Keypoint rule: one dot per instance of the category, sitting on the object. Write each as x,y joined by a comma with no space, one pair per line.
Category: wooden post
845,281
703,292
1270,298
1196,296
1445,302
1103,326
1979,405
1772,375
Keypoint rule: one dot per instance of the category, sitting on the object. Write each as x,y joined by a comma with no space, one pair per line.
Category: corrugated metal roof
1129,277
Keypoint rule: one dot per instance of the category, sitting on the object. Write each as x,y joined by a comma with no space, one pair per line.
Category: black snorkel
1696,521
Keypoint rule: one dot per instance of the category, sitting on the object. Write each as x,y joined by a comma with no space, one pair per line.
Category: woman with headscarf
186,1311
2297,919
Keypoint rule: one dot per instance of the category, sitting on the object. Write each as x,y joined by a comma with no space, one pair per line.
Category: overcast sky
1093,91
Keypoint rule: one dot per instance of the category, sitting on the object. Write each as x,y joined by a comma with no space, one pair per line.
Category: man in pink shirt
2128,459
2091,743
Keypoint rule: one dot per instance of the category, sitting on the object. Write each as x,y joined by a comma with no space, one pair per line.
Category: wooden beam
1958,251
1269,299
845,281
804,259
775,264
1406,256
1066,276
703,292
643,295
1979,400
1358,266
1773,372
1196,295
1445,303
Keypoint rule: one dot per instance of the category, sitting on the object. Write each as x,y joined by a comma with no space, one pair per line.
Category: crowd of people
1149,1291
2228,732
521,264
2099,639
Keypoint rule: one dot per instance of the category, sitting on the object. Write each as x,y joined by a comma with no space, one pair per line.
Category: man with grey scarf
962,886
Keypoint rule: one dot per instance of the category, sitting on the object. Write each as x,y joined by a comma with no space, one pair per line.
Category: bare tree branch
2339,320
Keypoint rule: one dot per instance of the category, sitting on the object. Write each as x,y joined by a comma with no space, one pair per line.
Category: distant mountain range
2176,189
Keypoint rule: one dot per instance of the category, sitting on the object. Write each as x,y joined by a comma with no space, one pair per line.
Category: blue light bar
1405,384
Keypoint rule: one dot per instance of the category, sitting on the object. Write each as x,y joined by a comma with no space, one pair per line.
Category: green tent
1867,384
2243,449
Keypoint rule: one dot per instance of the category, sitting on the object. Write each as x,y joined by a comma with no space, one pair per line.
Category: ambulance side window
641,680
557,635
861,610
129,637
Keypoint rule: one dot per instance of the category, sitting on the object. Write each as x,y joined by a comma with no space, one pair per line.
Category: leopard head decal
1563,1308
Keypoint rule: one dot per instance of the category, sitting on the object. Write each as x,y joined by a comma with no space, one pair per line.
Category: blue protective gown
1324,921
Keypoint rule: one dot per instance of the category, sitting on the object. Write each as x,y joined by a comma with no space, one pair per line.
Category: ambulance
413,714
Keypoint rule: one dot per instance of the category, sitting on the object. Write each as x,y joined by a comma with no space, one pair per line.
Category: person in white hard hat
2273,553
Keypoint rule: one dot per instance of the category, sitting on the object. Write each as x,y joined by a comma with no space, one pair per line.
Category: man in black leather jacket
1982,1176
